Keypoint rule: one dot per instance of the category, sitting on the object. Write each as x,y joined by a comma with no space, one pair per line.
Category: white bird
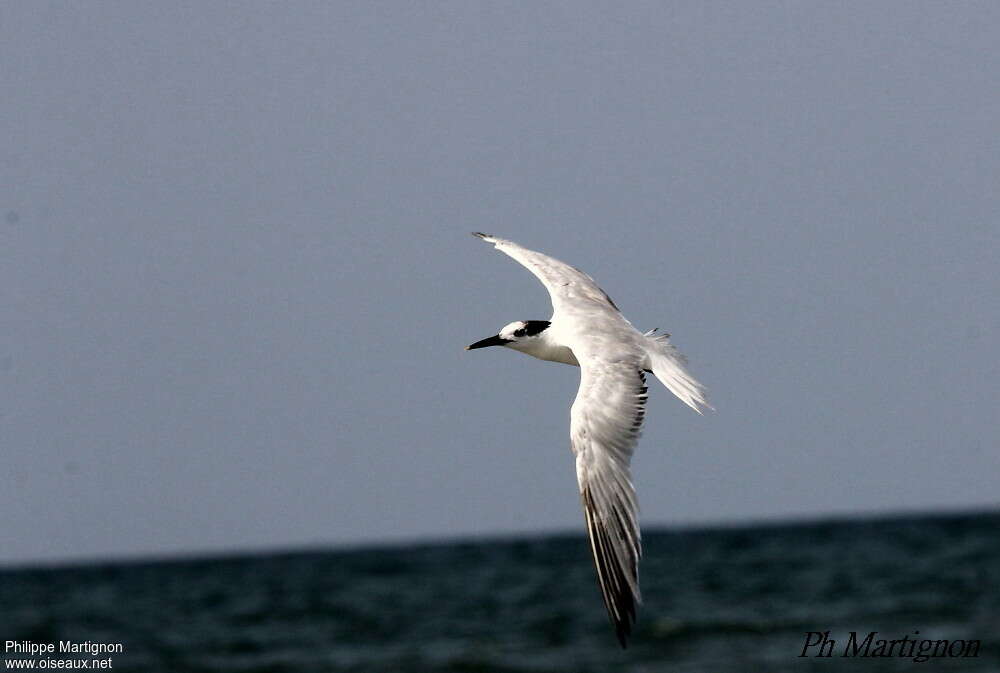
587,330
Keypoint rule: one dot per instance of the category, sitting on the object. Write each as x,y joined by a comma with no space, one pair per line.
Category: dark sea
715,600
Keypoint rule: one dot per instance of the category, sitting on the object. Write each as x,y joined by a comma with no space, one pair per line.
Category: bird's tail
670,367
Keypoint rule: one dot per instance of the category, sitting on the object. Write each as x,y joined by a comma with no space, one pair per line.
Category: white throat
544,347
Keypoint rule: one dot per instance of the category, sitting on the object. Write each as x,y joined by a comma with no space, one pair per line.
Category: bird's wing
567,286
605,425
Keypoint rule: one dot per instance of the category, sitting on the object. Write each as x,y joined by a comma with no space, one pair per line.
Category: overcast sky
236,276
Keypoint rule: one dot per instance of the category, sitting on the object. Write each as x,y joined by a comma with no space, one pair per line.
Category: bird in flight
587,330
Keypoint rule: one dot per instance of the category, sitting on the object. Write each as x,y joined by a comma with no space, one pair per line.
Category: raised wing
604,428
567,286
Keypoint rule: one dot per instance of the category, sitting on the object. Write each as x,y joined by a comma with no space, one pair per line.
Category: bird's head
520,335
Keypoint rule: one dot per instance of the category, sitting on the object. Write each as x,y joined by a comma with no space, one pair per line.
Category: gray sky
236,275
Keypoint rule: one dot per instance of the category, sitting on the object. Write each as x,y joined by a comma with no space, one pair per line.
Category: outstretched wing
567,285
604,428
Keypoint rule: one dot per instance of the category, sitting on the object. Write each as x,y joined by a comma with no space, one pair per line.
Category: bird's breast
556,353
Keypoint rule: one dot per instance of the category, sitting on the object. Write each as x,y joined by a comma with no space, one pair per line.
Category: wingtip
489,238
621,596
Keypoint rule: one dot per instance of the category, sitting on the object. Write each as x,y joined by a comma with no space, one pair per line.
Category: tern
589,331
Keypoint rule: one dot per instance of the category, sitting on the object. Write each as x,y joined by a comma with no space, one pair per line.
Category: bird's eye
520,332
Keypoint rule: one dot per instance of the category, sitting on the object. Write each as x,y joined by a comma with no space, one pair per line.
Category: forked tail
670,367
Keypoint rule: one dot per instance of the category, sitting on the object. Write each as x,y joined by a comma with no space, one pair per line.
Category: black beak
492,341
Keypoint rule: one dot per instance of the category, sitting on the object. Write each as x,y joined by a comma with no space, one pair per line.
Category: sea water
715,600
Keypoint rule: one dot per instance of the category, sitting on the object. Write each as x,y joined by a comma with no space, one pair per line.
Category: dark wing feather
606,420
